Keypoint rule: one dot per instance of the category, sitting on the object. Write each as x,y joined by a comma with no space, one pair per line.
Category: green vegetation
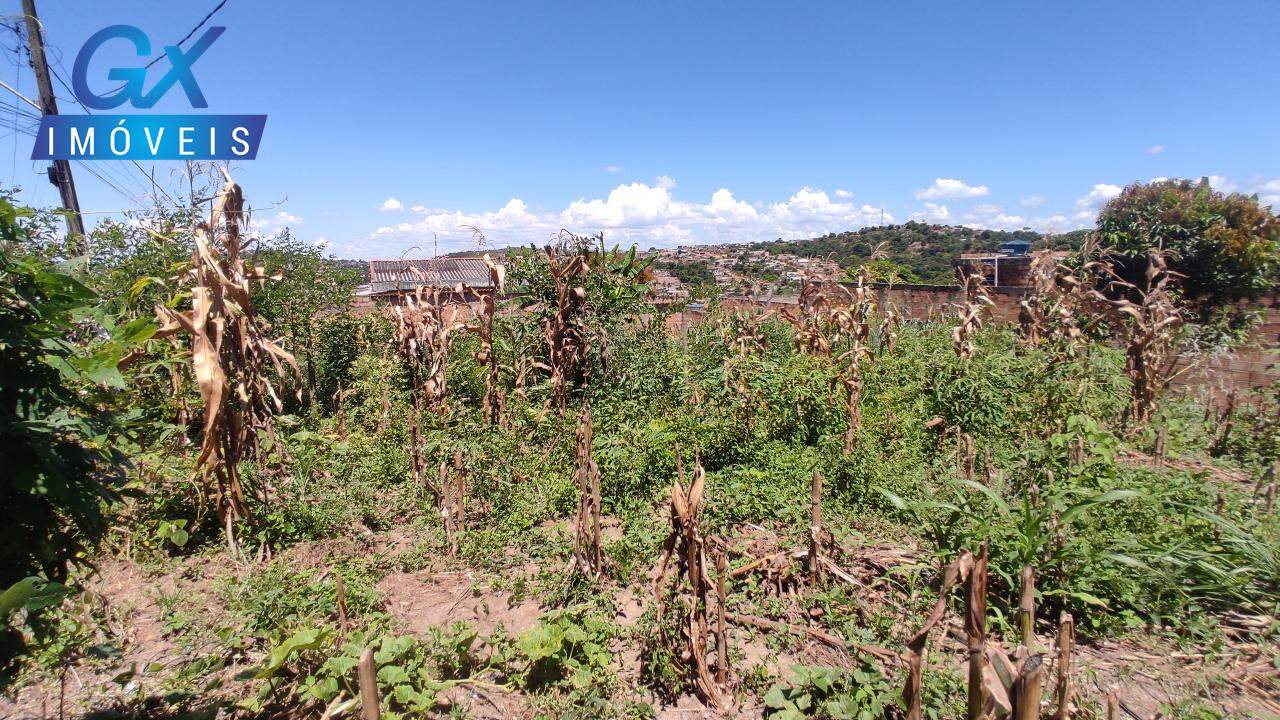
1225,247
927,251
689,273
1149,531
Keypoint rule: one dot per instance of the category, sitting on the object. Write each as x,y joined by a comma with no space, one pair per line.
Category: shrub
1227,247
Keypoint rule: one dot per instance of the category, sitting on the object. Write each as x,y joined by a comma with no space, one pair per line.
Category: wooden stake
367,674
342,607
1162,439
1030,686
597,550
460,492
815,531
1219,509
975,623
446,507
415,451
1113,705
722,635
1066,642
341,397
1027,607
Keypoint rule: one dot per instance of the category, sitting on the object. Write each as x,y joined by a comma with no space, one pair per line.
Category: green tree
1225,246
59,446
312,290
886,271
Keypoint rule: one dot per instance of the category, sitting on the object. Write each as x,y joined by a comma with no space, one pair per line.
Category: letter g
133,78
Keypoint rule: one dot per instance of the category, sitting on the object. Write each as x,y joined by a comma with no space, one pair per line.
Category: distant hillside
358,266
929,250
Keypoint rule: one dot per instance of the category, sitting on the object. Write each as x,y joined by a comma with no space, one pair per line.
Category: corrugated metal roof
436,272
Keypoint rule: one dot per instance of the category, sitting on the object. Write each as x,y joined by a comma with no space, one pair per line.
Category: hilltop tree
1226,247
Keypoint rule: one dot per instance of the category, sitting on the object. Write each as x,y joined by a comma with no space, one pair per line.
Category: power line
117,176
179,43
62,81
22,97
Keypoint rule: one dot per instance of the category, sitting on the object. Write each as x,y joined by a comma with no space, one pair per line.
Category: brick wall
1255,364
931,302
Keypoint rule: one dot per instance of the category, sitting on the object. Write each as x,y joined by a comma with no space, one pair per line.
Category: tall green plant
63,459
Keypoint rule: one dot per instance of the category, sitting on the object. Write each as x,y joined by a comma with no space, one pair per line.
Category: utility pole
60,170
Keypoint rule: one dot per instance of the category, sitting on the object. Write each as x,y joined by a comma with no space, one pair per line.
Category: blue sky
666,123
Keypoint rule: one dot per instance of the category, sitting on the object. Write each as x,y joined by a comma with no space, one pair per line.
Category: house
466,280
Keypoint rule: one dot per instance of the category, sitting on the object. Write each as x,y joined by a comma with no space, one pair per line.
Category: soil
424,600
1147,674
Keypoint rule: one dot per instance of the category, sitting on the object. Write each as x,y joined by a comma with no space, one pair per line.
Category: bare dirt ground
428,599
1238,678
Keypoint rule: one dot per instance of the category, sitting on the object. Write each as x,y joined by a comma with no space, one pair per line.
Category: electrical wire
179,43
59,76
112,177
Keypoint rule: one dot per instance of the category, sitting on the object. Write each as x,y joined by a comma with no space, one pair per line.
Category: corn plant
588,553
232,358
563,329
494,402
425,325
1148,328
684,563
974,302
853,323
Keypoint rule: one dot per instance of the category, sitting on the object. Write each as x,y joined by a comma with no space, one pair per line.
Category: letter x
181,70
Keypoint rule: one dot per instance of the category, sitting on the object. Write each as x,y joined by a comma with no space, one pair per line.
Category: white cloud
932,213
1155,149
1098,196
631,213
1269,193
951,188
613,168
1222,184
993,217
842,193
391,204
725,209
1032,201
634,205
665,182
270,224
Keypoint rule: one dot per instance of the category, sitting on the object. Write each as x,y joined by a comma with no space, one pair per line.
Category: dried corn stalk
684,562
1066,644
1058,301
745,340
232,358
1149,330
494,403
975,626
974,302
998,685
853,323
453,501
588,553
815,308
958,571
563,331
890,321
424,331
1035,308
